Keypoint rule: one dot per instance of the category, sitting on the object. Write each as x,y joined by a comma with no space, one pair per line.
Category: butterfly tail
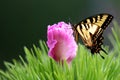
101,56
104,51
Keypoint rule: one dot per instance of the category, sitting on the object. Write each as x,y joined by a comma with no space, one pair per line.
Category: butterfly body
91,29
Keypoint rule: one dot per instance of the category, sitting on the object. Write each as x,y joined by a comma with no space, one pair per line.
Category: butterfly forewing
102,23
91,30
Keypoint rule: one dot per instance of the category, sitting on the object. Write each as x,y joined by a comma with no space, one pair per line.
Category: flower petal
61,43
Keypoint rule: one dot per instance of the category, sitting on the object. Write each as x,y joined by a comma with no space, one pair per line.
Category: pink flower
61,43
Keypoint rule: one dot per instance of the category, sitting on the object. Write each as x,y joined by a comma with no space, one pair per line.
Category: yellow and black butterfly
91,29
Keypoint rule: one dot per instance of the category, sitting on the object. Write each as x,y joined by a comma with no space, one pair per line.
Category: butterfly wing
103,20
91,30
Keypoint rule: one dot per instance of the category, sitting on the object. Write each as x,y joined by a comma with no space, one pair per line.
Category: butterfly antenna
70,20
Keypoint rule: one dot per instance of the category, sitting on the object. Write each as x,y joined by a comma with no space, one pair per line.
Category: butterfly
91,29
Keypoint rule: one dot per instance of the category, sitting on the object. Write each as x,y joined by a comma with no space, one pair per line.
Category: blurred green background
24,22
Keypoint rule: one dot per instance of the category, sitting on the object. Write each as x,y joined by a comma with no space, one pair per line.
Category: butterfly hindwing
91,29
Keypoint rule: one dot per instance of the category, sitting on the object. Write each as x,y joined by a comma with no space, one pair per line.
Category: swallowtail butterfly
91,29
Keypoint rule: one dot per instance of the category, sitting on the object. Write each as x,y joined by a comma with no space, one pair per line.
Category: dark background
24,22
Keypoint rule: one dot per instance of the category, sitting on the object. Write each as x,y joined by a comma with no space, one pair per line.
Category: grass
38,66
